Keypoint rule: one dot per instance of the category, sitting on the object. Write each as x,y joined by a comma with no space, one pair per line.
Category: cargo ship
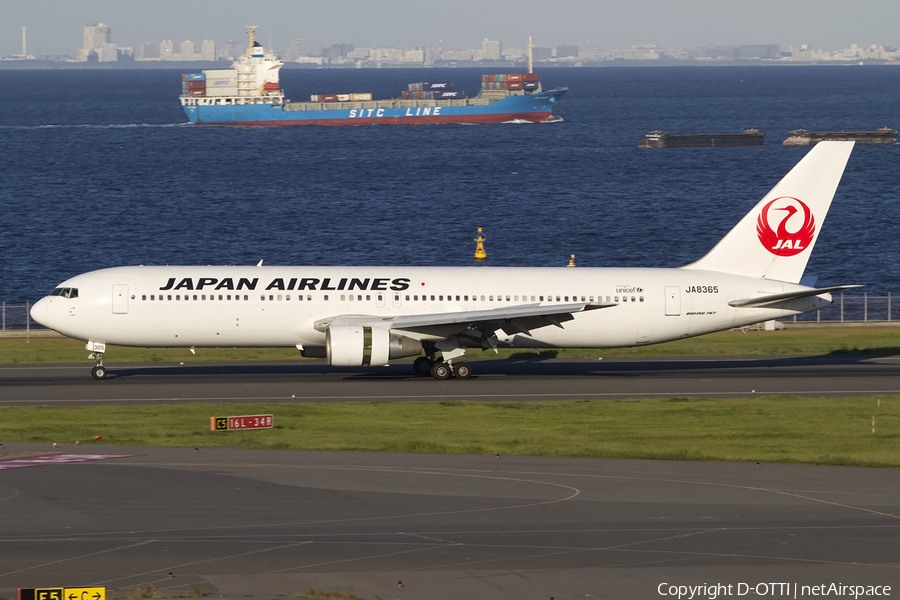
658,139
802,137
250,94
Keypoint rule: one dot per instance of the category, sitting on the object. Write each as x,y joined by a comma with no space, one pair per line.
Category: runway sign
242,422
87,593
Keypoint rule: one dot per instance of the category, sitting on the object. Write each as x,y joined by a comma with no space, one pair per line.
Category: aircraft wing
772,299
511,319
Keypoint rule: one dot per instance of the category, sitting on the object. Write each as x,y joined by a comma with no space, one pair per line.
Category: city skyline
54,27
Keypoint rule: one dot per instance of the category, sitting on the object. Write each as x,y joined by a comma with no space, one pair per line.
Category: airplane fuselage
280,306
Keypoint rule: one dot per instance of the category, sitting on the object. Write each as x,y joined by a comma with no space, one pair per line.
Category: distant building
297,49
166,50
148,51
97,45
759,51
490,50
542,53
567,52
207,50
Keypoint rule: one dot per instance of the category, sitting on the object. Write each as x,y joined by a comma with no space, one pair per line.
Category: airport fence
844,309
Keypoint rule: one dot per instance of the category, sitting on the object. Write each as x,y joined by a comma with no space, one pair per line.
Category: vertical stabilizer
775,239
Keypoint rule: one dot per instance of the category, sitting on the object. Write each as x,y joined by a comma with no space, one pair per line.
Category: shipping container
343,97
328,98
222,91
515,77
514,85
195,93
194,85
529,77
194,77
415,87
449,94
489,77
223,73
361,97
404,95
438,86
530,85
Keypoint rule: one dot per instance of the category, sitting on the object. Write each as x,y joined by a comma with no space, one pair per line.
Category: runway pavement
268,524
493,380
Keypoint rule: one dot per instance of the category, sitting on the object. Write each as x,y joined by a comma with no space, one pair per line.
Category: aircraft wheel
441,370
461,370
422,366
98,372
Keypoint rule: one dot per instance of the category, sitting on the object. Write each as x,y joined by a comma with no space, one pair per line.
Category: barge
802,137
250,94
658,139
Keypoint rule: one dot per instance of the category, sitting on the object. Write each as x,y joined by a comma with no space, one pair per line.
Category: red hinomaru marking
782,242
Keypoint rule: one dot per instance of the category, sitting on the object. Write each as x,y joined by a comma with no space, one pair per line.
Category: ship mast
251,30
530,60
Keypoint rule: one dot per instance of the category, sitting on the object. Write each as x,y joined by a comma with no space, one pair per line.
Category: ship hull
535,108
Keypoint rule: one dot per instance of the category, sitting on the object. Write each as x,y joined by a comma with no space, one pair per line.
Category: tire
98,372
461,370
422,366
441,370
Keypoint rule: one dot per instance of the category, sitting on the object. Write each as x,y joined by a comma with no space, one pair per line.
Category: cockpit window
65,292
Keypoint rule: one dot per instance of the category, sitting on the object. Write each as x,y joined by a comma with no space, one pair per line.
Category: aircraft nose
39,311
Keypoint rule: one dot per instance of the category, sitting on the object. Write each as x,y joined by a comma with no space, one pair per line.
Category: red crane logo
780,241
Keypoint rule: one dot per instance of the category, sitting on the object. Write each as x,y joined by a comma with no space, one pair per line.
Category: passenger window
482,298
261,297
343,297
632,298
152,297
616,298
557,298
195,296
466,298
144,297
271,297
325,298
491,298
220,297
432,298
169,297
441,297
369,297
309,297
178,296
416,298
279,297
642,298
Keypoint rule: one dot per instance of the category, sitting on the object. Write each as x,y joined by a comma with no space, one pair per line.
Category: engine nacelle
360,346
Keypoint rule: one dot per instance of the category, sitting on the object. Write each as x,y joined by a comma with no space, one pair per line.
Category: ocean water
99,168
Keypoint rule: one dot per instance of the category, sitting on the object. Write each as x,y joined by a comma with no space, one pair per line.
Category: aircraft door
673,301
120,299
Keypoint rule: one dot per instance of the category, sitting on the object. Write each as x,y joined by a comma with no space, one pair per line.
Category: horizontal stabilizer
761,301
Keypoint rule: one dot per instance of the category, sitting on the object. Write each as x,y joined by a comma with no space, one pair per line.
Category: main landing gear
440,369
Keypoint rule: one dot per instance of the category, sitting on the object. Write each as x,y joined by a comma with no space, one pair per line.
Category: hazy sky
55,26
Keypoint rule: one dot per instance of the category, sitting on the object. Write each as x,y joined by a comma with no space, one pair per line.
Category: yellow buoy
571,261
480,254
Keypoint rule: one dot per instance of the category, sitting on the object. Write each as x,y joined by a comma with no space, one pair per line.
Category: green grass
791,342
767,429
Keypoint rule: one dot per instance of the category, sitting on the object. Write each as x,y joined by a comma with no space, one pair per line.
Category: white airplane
367,316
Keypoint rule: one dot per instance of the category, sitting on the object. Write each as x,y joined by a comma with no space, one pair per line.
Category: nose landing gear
97,349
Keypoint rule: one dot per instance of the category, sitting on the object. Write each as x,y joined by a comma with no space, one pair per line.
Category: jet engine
361,346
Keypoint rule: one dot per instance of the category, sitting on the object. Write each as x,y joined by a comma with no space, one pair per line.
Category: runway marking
54,459
726,485
200,562
79,557
574,493
358,558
